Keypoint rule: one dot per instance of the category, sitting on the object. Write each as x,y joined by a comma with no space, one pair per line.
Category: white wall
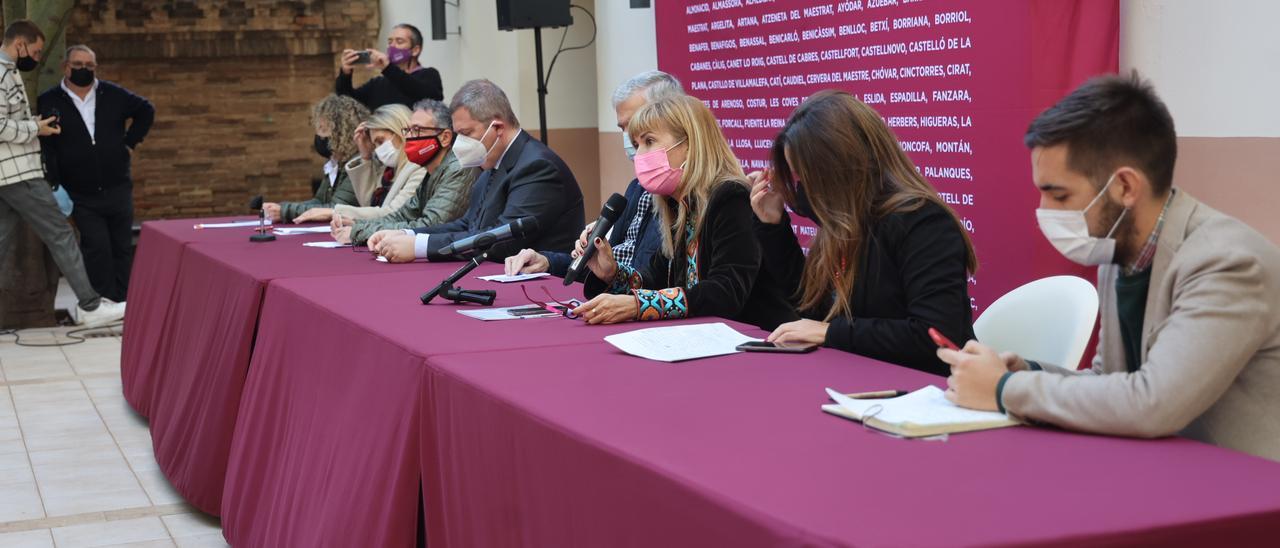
627,46
1216,64
507,58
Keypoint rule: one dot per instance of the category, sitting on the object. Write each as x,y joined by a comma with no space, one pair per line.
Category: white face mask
387,153
471,152
1068,231
628,146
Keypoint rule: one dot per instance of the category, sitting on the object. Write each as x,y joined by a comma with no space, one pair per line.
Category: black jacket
531,180
395,86
648,242
731,283
911,277
86,165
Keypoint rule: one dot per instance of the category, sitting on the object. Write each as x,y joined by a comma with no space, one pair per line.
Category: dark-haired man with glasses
441,198
102,123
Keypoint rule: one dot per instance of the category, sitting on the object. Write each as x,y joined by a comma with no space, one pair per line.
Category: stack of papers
294,231
234,224
680,342
925,412
327,245
512,312
505,279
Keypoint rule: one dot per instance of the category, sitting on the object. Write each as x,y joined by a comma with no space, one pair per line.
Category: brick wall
232,82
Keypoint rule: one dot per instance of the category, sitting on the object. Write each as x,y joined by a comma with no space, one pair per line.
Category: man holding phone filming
403,80
1189,297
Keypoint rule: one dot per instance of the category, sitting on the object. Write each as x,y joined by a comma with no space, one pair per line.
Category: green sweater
340,192
443,197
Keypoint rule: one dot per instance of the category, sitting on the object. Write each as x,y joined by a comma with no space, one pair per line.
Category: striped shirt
19,147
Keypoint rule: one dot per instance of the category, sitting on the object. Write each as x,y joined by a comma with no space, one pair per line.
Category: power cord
561,49
74,335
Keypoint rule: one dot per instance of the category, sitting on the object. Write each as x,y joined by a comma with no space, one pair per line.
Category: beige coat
1210,345
366,175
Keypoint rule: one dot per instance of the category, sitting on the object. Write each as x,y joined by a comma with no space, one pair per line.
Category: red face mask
422,150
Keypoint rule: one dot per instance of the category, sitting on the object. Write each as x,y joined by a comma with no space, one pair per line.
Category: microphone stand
447,290
261,234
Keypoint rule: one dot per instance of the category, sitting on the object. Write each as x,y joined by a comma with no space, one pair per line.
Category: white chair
1049,320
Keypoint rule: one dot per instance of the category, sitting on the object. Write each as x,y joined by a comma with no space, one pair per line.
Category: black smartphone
362,57
762,346
57,117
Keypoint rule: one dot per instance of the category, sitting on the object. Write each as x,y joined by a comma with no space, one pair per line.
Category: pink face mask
655,173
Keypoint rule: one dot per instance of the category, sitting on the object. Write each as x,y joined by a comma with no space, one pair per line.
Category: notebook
925,412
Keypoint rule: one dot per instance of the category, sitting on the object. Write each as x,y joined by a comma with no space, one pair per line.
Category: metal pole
542,84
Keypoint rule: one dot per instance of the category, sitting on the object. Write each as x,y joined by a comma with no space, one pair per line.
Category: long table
189,336
355,414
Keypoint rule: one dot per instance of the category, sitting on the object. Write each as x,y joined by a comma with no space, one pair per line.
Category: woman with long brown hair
710,259
890,259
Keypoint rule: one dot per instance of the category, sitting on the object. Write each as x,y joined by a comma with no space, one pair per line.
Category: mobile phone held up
362,58
763,346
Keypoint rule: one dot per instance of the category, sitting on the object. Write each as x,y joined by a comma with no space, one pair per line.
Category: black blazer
731,283
911,277
86,165
531,180
394,86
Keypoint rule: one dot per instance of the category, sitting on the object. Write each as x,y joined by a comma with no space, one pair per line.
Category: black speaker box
527,14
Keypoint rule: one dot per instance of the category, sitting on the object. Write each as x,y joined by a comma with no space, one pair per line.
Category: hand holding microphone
608,215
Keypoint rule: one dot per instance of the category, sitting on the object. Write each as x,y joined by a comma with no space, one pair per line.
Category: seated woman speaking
890,259
710,258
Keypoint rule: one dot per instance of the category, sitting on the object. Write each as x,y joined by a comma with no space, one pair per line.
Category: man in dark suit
521,178
101,124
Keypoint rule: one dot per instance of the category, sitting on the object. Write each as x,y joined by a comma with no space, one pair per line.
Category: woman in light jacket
383,177
335,119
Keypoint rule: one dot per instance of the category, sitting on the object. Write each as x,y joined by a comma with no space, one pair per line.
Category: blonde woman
335,119
383,177
710,259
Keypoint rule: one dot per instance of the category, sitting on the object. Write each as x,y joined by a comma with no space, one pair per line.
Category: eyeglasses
420,131
562,308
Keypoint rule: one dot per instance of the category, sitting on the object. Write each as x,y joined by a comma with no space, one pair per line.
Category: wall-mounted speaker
438,31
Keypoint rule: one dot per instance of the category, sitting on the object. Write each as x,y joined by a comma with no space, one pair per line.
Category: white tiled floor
76,466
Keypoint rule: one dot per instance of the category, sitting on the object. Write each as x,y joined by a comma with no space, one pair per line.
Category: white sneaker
108,312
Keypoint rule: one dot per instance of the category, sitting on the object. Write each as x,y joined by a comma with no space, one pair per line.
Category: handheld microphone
608,215
261,235
522,227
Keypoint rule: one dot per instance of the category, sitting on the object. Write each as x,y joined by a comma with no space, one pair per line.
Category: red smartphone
941,340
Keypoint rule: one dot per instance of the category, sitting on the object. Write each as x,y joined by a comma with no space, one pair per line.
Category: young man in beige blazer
1190,298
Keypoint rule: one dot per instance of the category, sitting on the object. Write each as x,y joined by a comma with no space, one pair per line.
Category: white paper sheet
296,230
924,407
235,224
327,245
495,314
680,342
505,279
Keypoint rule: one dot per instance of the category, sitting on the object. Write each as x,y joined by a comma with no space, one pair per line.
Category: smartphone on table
764,346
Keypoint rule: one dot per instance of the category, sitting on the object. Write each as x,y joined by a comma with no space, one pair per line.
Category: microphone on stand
522,227
608,215
261,234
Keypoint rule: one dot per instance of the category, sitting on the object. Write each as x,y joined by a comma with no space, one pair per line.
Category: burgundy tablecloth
321,440
197,371
584,446
156,267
